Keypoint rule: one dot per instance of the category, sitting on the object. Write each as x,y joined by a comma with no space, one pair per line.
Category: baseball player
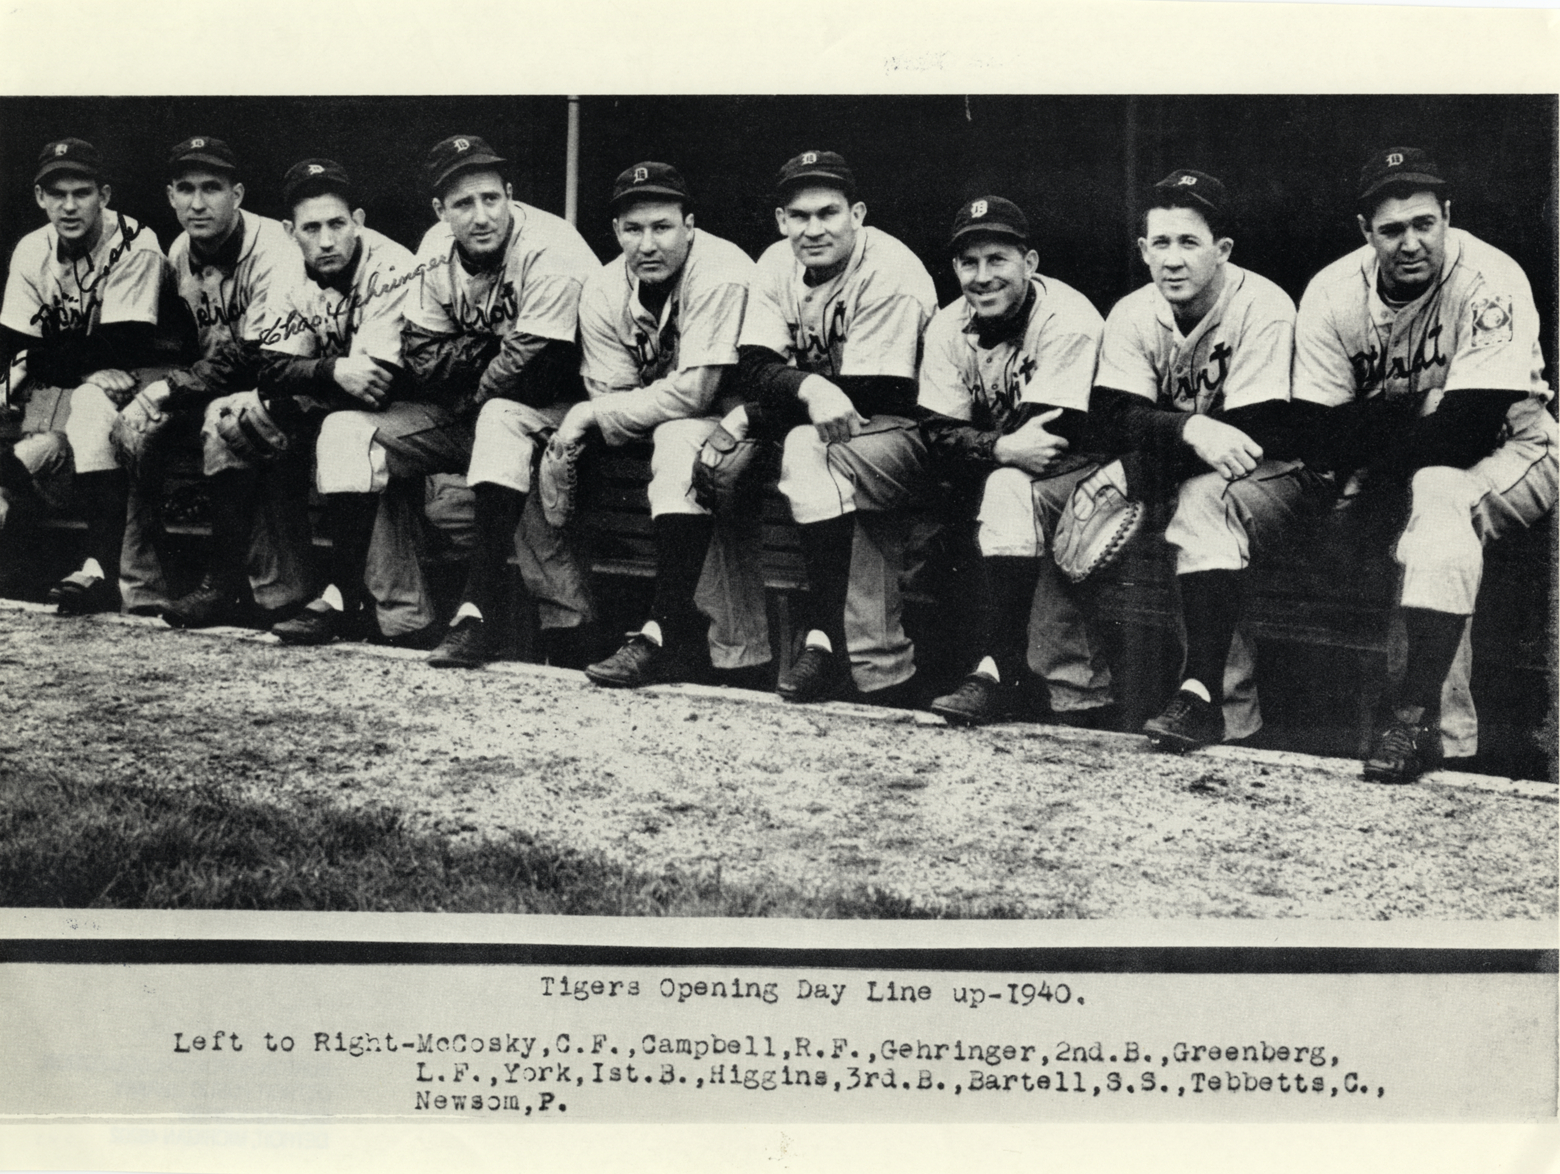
334,346
81,308
1193,385
490,333
226,263
1005,391
828,358
1417,358
658,335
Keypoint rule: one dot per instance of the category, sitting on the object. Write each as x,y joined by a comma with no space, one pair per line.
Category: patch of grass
70,844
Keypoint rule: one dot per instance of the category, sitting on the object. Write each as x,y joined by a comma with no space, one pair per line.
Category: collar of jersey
1010,329
1234,278
1370,273
226,257
107,239
342,282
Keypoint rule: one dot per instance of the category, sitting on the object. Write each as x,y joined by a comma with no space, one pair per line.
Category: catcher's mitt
558,482
1096,526
249,431
730,473
134,434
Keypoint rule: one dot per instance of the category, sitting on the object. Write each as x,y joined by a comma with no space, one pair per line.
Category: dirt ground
1016,819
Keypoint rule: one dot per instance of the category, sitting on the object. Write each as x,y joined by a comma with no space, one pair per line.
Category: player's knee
1007,524
1438,488
348,457
44,454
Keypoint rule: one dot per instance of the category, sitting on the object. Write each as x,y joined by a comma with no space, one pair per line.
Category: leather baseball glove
134,434
730,474
1097,525
558,482
250,432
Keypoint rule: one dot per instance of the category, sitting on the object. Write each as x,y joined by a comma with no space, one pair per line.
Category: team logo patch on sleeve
1492,325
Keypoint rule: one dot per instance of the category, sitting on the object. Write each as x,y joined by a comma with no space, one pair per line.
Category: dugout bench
1318,611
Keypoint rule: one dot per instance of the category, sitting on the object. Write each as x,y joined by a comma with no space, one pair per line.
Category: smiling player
1005,387
829,354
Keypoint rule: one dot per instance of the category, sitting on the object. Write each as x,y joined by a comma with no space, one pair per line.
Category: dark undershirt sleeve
65,360
768,388
1270,424
233,367
1123,422
961,442
1463,430
290,375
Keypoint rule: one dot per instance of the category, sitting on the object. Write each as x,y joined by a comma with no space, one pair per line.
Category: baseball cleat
465,646
1186,723
641,661
1398,753
816,676
81,594
210,605
977,701
319,623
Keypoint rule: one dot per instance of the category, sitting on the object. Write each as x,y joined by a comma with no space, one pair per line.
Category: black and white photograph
935,604
874,510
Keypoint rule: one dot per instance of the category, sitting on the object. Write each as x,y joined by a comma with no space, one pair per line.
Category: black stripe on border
1079,959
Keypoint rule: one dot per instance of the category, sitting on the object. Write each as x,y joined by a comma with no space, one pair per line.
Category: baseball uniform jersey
1477,327
1238,355
229,295
311,320
47,293
623,346
1051,364
866,321
534,289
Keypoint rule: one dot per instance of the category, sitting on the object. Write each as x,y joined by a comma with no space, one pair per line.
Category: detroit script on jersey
1476,327
624,346
533,287
1051,361
1239,354
866,321
229,299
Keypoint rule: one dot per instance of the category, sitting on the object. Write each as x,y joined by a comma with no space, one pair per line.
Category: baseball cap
1197,186
1399,165
824,167
457,153
650,179
204,151
989,216
313,177
76,155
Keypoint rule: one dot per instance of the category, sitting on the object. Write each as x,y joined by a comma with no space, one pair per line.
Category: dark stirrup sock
1433,637
681,543
826,549
498,517
1211,604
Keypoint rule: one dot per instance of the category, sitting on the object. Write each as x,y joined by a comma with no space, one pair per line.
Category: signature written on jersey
65,312
337,323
